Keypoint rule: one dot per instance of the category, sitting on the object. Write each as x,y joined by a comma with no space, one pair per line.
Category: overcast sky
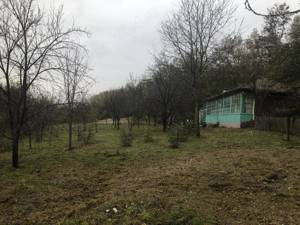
125,33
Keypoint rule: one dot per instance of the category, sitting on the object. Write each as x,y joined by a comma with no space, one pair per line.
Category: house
239,107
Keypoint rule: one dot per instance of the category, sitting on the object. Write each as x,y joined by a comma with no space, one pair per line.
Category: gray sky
125,33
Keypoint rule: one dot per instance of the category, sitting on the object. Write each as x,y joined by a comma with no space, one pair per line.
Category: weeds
148,138
126,138
177,135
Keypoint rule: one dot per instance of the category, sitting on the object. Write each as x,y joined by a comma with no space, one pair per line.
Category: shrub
4,145
183,133
173,141
178,216
126,138
174,138
181,217
177,135
148,138
86,136
188,127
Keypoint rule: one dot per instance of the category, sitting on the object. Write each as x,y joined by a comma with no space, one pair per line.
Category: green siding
230,119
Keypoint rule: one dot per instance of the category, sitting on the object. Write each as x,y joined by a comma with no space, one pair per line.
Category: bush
188,128
126,138
183,133
174,138
178,216
86,136
148,137
173,141
181,217
178,134
4,145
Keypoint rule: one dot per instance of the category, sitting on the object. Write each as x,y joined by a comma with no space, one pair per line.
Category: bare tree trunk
30,139
149,120
197,120
50,135
42,134
118,124
165,122
155,121
78,132
15,152
128,122
288,129
294,122
96,124
70,131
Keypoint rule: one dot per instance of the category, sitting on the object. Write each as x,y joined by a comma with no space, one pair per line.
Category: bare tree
190,33
166,88
115,105
275,14
75,82
135,95
29,41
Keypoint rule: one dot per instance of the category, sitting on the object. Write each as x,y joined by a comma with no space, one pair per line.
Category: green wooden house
230,109
239,107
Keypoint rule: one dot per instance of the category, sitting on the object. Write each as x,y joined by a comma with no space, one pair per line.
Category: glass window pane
226,105
235,107
249,104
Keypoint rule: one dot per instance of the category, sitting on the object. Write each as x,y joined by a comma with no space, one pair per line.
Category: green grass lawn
227,177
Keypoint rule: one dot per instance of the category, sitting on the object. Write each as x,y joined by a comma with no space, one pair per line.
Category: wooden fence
278,124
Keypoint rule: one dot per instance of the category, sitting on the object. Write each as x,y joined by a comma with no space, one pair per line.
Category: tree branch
250,8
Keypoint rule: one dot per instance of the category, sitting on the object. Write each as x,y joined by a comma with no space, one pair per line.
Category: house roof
234,91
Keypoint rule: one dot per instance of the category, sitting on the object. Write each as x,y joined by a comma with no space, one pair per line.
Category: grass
226,177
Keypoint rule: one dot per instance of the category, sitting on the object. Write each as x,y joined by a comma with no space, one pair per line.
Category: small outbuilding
239,107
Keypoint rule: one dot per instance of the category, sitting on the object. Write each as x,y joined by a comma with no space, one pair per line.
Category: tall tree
225,66
189,33
276,26
75,82
294,34
135,100
255,59
115,105
287,64
166,85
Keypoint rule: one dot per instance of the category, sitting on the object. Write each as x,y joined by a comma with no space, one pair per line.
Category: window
236,104
249,101
226,105
208,108
220,106
214,107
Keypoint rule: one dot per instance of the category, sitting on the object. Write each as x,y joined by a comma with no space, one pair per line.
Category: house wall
227,120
